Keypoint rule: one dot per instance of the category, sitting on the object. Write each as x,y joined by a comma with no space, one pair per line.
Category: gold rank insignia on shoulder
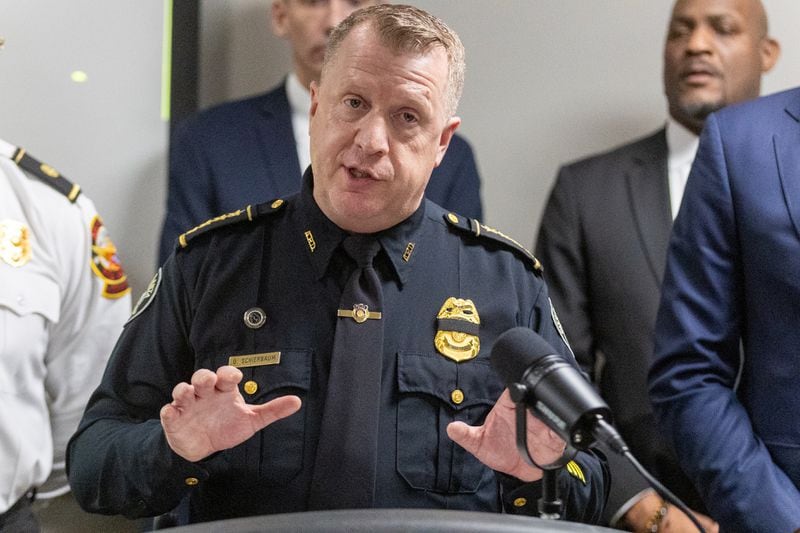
458,328
576,471
477,229
15,243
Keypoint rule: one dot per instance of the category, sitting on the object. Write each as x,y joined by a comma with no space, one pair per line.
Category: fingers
464,435
203,382
228,377
277,409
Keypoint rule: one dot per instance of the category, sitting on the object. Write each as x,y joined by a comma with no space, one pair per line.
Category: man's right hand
210,414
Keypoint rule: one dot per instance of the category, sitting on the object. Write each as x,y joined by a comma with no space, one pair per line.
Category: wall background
548,81
105,134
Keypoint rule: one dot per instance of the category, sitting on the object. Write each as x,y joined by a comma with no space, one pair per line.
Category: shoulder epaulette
47,174
474,227
248,214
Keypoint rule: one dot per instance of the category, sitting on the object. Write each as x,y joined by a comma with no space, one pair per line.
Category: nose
700,40
372,137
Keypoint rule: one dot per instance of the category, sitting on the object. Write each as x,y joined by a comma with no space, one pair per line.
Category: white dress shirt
681,146
300,103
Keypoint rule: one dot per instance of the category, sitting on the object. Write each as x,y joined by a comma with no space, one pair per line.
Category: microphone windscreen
516,350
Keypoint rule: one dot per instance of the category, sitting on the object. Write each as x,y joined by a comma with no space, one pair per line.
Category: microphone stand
550,505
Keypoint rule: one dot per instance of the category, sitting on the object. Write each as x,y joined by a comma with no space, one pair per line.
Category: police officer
227,387
63,300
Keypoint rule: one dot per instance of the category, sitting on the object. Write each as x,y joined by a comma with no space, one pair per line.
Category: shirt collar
323,237
681,144
299,97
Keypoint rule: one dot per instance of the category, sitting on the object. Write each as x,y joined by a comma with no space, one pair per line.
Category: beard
700,110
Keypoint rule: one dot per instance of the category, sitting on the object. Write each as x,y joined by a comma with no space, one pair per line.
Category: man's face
378,129
715,53
306,24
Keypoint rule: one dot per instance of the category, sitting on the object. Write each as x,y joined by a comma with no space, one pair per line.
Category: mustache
692,66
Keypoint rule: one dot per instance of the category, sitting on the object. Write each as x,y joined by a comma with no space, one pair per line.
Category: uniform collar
322,236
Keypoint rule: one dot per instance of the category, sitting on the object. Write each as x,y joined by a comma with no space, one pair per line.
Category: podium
388,520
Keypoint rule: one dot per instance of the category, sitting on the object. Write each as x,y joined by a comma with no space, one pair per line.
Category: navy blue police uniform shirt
284,258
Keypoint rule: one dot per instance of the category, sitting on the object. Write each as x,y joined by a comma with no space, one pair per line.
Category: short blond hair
404,28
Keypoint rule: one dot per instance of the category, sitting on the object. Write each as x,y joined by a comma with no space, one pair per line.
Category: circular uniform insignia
254,318
147,296
15,243
458,325
105,262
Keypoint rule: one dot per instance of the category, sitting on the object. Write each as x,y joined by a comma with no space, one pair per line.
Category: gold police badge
15,243
458,326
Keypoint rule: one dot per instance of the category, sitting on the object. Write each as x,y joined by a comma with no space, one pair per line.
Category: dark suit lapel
786,144
649,199
277,139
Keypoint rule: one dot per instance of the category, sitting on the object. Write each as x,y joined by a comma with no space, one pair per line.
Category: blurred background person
604,233
63,299
256,149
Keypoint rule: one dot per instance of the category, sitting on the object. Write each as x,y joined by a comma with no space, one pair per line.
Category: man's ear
314,87
444,139
770,51
279,15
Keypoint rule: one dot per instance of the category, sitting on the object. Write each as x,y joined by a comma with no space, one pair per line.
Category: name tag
256,359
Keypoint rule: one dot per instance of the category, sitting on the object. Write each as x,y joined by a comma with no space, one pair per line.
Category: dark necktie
344,471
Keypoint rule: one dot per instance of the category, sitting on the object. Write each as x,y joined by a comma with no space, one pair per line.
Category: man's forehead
707,9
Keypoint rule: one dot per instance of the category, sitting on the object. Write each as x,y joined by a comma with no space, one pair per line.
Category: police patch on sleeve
559,327
147,296
105,262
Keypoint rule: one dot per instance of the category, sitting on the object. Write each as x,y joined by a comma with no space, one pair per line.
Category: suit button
191,481
250,387
520,502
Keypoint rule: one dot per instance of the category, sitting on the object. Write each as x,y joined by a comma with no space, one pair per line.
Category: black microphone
553,389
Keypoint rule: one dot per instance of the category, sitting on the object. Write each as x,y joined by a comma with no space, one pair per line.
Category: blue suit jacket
244,152
733,272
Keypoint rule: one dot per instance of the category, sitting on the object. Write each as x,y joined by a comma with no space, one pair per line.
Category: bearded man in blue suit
724,382
256,149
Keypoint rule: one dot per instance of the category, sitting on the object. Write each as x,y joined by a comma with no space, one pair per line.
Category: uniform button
191,481
254,318
457,396
453,218
520,502
251,387
276,204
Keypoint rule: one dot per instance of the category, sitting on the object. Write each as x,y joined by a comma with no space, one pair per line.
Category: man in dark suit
606,226
724,379
256,149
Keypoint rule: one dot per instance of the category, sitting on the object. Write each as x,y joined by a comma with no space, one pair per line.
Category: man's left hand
494,443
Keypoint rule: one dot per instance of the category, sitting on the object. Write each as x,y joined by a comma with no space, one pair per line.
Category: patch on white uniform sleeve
105,261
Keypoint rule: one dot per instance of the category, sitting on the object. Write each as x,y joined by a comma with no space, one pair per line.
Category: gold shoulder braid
47,174
474,227
248,213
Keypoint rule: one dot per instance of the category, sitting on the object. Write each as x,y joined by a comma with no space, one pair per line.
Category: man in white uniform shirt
63,300
604,235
